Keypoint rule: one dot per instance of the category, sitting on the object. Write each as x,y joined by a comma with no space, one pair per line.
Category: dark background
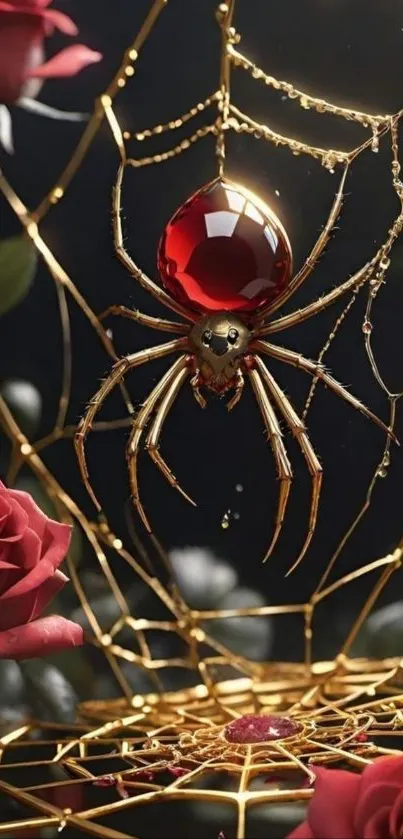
351,53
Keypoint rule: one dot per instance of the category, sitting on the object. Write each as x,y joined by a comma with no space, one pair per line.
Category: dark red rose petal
14,520
372,799
18,34
303,831
331,810
387,770
28,605
396,818
378,825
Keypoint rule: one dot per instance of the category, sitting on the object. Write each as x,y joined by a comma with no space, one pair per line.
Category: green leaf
18,261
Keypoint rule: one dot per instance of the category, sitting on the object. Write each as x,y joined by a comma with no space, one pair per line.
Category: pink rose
32,546
24,24
346,805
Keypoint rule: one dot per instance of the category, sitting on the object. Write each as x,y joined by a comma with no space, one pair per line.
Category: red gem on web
144,774
224,250
105,781
255,728
362,737
178,771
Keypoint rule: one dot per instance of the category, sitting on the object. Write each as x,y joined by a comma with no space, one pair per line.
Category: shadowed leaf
18,261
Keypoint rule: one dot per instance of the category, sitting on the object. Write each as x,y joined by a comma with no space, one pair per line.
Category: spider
225,264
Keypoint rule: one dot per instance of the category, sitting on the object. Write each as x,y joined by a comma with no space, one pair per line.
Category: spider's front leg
315,253
145,281
145,320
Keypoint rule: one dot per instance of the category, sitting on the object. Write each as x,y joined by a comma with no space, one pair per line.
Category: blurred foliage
51,694
18,261
207,582
25,403
382,634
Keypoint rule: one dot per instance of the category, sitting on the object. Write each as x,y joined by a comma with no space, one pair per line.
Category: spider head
219,340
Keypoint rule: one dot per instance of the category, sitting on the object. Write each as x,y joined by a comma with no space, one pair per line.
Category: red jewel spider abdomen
224,250
225,263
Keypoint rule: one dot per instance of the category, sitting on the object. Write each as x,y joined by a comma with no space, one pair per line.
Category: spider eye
207,336
232,335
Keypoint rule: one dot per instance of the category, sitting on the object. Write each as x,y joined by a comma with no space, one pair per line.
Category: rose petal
14,523
303,831
18,34
21,608
40,638
37,520
9,577
385,769
60,21
331,810
31,581
47,592
68,62
396,817
378,826
371,799
53,535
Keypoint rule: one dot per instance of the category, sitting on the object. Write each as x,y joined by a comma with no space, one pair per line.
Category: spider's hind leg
298,430
152,442
284,470
139,425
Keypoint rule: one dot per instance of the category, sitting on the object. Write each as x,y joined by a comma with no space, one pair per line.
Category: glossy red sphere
224,250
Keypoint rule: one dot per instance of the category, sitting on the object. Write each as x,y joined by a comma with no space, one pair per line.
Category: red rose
32,546
350,806
23,27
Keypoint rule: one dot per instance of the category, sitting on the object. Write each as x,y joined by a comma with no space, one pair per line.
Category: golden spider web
169,746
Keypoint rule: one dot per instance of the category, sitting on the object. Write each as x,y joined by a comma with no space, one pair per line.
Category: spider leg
317,370
148,284
315,253
145,320
115,377
239,386
284,470
139,424
152,443
298,429
318,305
